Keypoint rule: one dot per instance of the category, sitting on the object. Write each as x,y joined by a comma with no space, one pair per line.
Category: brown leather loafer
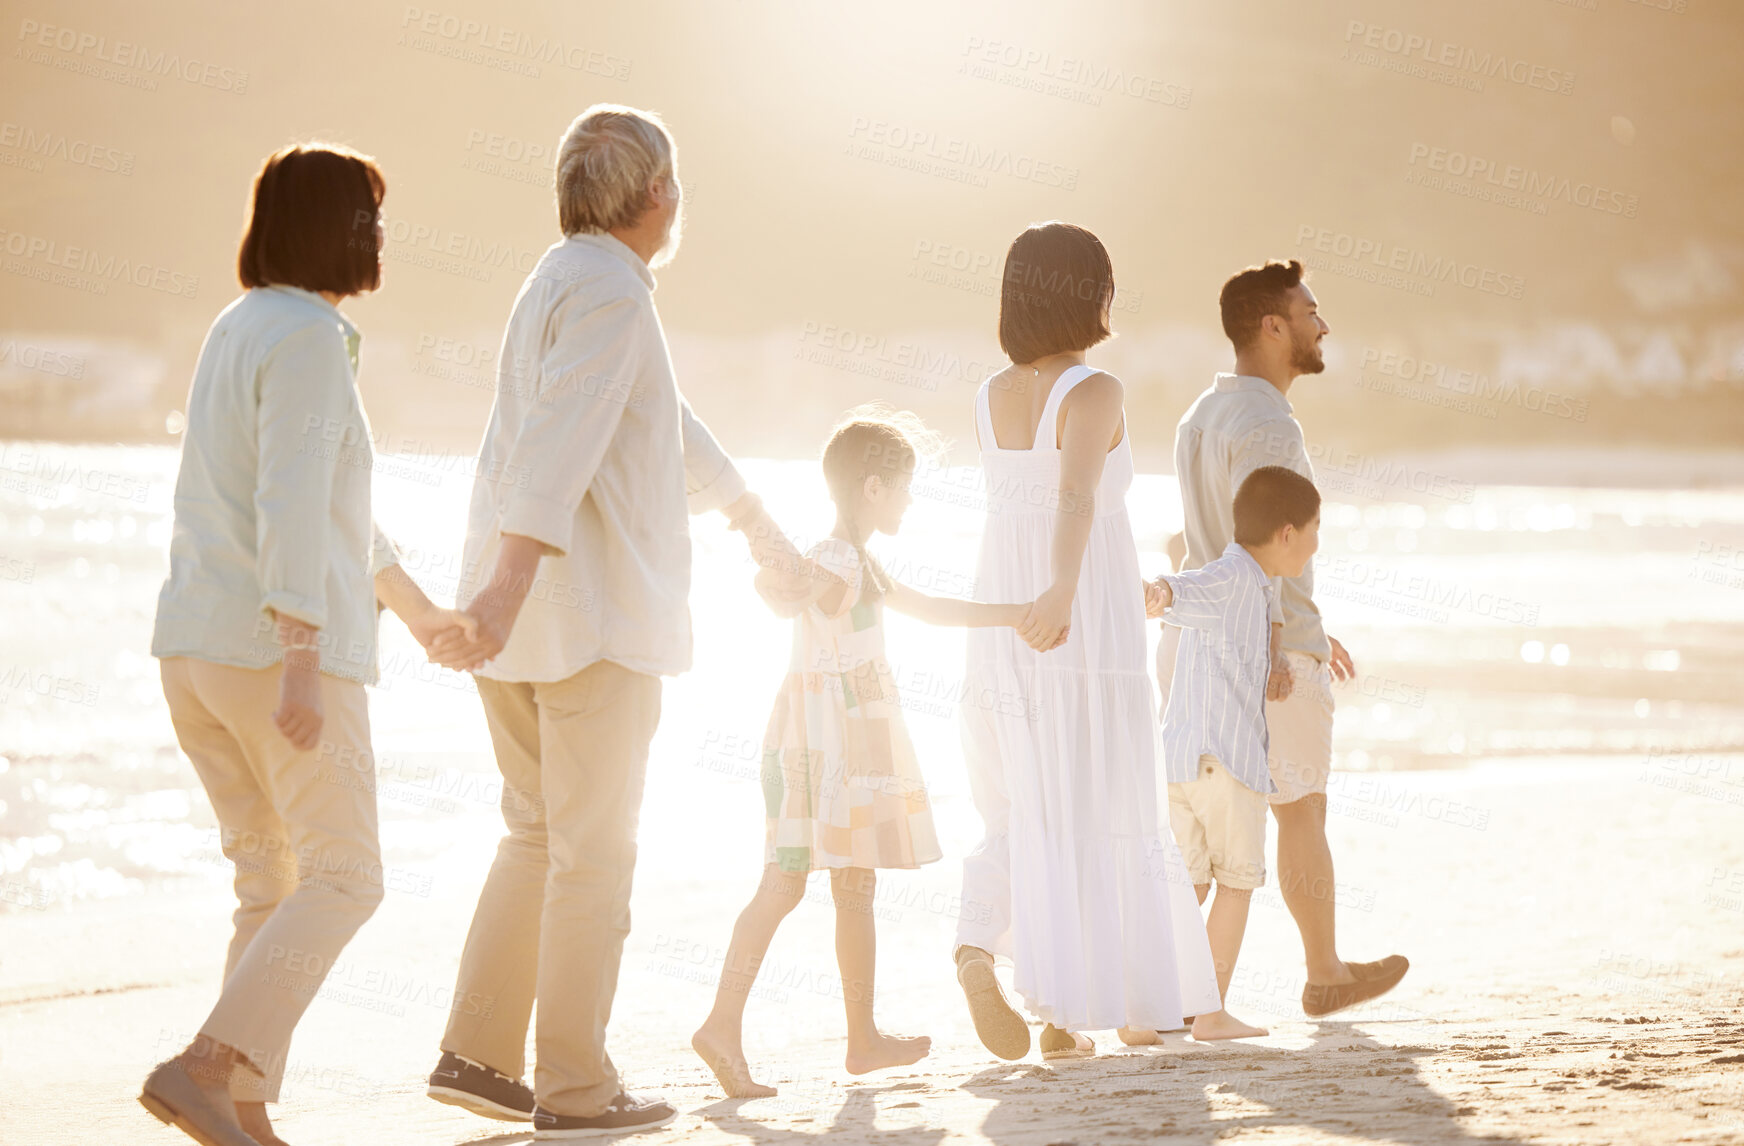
1372,981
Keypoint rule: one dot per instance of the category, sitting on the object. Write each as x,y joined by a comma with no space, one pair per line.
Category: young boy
1214,732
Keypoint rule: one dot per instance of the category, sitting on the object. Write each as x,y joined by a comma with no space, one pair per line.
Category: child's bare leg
856,955
1224,926
720,1039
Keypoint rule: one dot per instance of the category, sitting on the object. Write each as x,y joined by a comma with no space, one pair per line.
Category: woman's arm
1092,413
304,393
299,715
953,611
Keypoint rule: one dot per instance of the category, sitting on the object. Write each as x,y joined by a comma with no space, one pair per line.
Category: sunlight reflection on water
1441,600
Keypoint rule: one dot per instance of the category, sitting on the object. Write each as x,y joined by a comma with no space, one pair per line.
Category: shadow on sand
1343,1084
855,1120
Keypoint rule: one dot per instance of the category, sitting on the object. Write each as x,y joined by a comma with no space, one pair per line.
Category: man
579,515
1243,422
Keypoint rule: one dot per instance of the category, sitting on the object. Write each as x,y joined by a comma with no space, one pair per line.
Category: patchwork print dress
841,785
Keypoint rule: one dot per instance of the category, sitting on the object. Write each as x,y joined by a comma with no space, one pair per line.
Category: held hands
786,581
1049,620
436,622
477,634
1158,597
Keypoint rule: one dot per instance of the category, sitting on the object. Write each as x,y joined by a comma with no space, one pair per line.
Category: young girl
840,783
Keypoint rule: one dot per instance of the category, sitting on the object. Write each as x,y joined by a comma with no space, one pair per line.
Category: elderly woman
266,627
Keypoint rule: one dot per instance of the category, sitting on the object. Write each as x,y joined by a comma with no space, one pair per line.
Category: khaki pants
555,909
300,826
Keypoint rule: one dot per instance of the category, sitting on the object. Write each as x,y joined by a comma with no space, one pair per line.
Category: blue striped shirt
1217,704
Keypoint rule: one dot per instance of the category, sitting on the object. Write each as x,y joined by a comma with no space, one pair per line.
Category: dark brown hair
1058,286
1270,498
312,223
1250,295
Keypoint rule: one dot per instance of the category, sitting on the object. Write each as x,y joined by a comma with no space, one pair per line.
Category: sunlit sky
1194,138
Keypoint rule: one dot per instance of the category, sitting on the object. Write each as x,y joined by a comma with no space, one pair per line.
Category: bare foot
1223,1025
726,1058
886,1051
1139,1037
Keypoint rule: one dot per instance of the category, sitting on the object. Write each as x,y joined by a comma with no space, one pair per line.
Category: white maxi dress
1077,881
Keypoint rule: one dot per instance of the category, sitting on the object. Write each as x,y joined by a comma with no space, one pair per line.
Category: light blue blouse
272,504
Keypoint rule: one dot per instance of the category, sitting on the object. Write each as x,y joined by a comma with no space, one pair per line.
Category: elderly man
578,515
1243,422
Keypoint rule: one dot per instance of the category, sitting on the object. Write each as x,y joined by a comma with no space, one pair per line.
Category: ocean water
1486,622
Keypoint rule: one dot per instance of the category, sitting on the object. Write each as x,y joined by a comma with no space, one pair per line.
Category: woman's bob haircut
313,221
1057,289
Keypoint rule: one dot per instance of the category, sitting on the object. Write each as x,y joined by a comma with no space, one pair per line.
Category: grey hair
605,162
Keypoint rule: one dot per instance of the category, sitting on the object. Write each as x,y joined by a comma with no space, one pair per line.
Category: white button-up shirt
1238,425
593,452
272,503
1217,704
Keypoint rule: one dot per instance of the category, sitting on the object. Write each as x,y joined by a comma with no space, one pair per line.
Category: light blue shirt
272,504
1217,704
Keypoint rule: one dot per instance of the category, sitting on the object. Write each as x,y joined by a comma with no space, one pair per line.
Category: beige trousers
555,909
300,826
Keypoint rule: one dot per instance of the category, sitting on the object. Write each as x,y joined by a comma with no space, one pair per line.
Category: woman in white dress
1078,881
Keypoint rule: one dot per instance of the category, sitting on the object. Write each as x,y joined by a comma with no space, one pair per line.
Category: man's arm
494,608
585,379
784,580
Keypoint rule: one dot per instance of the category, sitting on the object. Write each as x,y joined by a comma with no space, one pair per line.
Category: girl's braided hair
873,441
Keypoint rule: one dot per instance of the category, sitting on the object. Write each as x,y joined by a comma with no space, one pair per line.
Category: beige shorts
1299,729
1220,824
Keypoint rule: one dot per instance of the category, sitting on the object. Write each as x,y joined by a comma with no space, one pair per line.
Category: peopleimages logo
92,49
1413,371
96,268
464,38
1525,180
1394,257
1459,58
882,139
54,145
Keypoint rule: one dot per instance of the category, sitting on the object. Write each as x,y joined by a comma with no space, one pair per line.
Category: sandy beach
1544,818
1488,256
1576,931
